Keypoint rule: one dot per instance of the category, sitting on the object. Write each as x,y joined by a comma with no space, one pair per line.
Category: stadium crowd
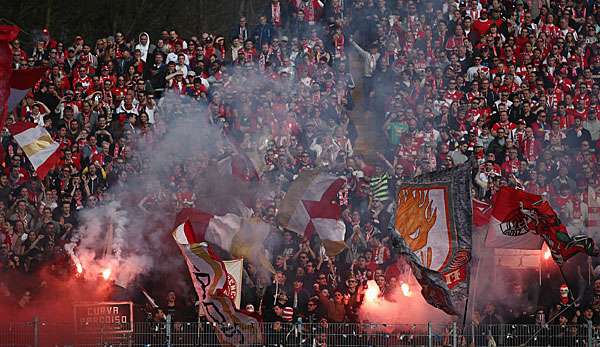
513,84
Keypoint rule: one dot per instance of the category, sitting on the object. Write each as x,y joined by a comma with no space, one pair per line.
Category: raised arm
359,48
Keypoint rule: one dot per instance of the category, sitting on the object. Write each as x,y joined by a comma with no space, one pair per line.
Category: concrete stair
370,135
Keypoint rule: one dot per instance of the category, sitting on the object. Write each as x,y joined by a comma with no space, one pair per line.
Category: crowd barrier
172,334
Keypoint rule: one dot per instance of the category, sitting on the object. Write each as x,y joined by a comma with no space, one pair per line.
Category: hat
71,49
521,121
45,30
284,39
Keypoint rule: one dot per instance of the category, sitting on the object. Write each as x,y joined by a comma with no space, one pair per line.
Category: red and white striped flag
38,146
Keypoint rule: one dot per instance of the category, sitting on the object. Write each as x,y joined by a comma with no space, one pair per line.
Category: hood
140,38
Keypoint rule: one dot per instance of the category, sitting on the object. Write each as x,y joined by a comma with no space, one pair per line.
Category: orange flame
372,291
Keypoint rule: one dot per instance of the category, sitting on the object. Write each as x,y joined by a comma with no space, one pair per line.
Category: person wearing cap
49,42
70,60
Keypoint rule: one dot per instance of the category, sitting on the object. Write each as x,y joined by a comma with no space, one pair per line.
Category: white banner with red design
210,278
233,285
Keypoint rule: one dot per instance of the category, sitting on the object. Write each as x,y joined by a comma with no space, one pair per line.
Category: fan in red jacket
482,25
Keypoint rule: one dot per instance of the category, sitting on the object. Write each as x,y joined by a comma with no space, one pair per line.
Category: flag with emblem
233,290
311,205
38,146
523,220
209,277
432,229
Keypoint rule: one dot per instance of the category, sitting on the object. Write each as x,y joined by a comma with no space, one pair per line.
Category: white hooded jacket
145,49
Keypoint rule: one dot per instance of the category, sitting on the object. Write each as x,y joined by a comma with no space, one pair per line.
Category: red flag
21,83
7,33
482,211
508,225
523,220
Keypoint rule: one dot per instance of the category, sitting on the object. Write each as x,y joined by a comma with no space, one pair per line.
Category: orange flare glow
106,274
372,291
405,289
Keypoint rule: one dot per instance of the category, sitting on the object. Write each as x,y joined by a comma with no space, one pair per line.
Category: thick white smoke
403,304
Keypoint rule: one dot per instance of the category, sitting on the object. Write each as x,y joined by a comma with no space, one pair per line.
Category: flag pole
109,239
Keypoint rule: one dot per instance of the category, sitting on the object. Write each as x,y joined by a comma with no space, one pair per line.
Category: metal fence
167,334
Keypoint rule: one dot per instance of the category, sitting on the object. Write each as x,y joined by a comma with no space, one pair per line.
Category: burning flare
547,253
106,273
372,292
79,267
405,289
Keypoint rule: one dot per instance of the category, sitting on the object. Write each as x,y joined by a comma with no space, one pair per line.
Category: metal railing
172,334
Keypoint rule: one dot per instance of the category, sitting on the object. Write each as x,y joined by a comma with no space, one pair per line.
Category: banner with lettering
108,317
210,278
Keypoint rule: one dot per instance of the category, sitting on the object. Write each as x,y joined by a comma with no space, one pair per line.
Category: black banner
108,317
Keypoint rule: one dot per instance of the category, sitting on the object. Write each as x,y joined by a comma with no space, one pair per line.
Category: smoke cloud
403,304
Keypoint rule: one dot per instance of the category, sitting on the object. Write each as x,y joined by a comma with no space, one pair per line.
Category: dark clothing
238,31
299,300
498,149
122,65
263,34
574,141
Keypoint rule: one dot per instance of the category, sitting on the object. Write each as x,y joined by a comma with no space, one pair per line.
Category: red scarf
276,14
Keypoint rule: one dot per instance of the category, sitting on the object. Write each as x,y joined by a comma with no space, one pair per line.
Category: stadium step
370,137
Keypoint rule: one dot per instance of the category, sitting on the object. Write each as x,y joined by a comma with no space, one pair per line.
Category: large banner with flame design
432,228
